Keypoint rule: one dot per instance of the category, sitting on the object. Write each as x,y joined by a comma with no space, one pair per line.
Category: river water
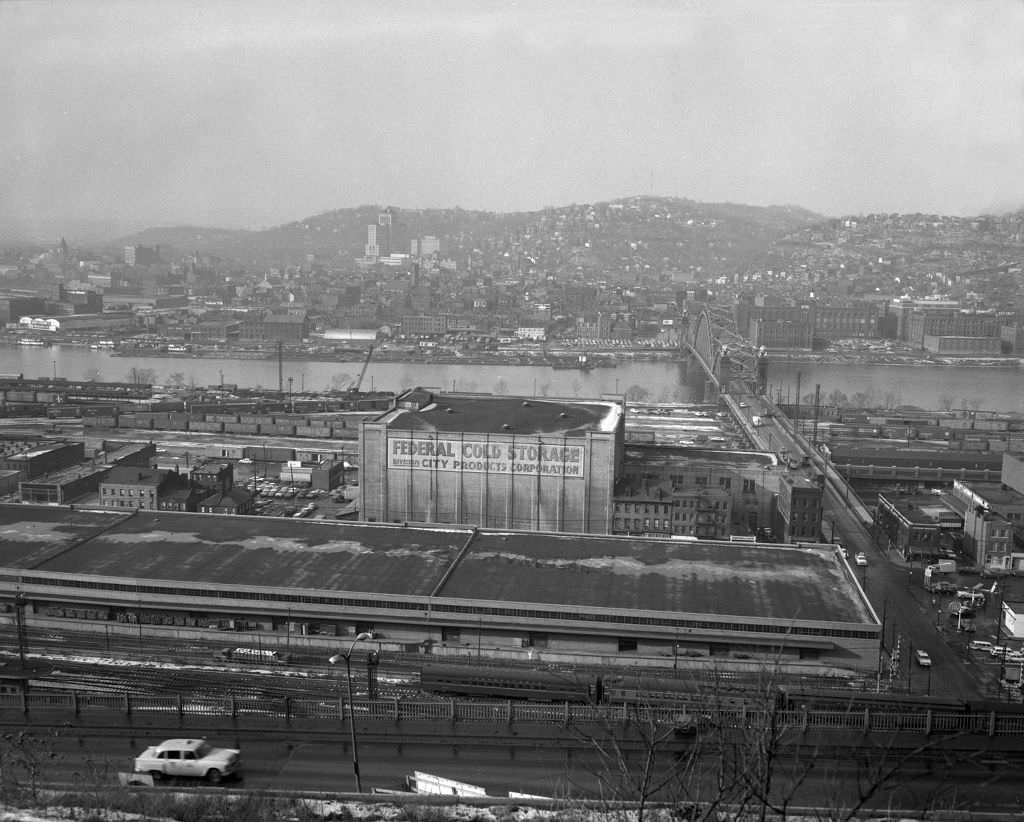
931,387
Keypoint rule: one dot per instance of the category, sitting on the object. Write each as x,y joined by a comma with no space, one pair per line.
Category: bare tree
946,402
748,755
890,399
837,399
636,393
23,757
141,376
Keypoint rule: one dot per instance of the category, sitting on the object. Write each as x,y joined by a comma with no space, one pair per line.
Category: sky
253,114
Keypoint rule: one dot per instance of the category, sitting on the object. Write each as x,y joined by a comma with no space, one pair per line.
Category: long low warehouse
440,590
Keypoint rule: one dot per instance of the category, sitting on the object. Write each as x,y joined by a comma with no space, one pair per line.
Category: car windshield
203,750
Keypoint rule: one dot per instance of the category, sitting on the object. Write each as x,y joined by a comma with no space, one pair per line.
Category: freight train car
510,683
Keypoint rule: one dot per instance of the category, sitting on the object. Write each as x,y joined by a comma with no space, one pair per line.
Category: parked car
861,558
980,645
1014,656
922,658
188,757
943,588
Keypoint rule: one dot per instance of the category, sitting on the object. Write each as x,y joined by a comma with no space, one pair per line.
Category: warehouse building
495,462
446,591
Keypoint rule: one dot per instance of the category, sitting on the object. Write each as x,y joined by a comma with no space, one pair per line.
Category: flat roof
270,552
746,580
924,509
750,580
662,454
488,414
30,534
994,492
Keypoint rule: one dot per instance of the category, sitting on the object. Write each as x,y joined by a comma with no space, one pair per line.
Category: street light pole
347,656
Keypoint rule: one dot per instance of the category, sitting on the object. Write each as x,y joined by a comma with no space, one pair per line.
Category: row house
798,508
665,512
208,489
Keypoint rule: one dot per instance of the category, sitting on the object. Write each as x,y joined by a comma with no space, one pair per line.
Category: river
931,387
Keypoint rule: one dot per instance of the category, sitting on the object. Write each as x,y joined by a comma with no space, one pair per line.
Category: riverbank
875,359
568,361
563,356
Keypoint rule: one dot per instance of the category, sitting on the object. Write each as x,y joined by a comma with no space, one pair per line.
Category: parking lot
278,498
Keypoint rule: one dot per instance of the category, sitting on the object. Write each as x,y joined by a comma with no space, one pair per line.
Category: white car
922,658
188,757
861,558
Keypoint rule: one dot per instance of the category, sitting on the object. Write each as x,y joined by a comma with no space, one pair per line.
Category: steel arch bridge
728,360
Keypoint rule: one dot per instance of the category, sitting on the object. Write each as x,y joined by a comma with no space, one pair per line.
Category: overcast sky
253,114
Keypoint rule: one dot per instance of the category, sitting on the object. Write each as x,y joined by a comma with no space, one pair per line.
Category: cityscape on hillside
455,284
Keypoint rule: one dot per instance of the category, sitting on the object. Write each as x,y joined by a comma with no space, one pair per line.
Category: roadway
906,611
276,760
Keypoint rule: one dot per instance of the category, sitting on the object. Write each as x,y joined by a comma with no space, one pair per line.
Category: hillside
632,234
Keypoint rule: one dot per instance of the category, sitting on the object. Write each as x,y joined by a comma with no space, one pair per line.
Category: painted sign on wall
486,456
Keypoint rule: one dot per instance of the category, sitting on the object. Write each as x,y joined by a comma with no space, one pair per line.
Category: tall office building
425,246
387,236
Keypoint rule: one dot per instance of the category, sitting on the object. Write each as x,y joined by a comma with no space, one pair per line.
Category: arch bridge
730,363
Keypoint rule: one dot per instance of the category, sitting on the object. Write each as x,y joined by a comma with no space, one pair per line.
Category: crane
354,388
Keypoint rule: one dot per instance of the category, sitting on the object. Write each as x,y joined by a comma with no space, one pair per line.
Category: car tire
156,775
214,776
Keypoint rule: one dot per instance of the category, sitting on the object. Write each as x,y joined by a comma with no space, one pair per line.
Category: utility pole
20,603
817,412
280,368
797,420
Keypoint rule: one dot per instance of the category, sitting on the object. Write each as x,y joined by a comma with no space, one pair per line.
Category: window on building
627,644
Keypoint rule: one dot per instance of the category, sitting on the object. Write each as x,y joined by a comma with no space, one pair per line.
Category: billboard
486,456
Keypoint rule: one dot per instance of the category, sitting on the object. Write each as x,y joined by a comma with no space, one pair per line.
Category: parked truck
943,566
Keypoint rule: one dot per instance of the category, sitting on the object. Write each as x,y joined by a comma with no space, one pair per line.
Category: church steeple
62,249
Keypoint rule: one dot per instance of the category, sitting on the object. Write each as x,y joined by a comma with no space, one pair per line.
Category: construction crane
354,388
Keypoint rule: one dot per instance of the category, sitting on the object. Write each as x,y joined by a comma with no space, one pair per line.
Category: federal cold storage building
495,462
